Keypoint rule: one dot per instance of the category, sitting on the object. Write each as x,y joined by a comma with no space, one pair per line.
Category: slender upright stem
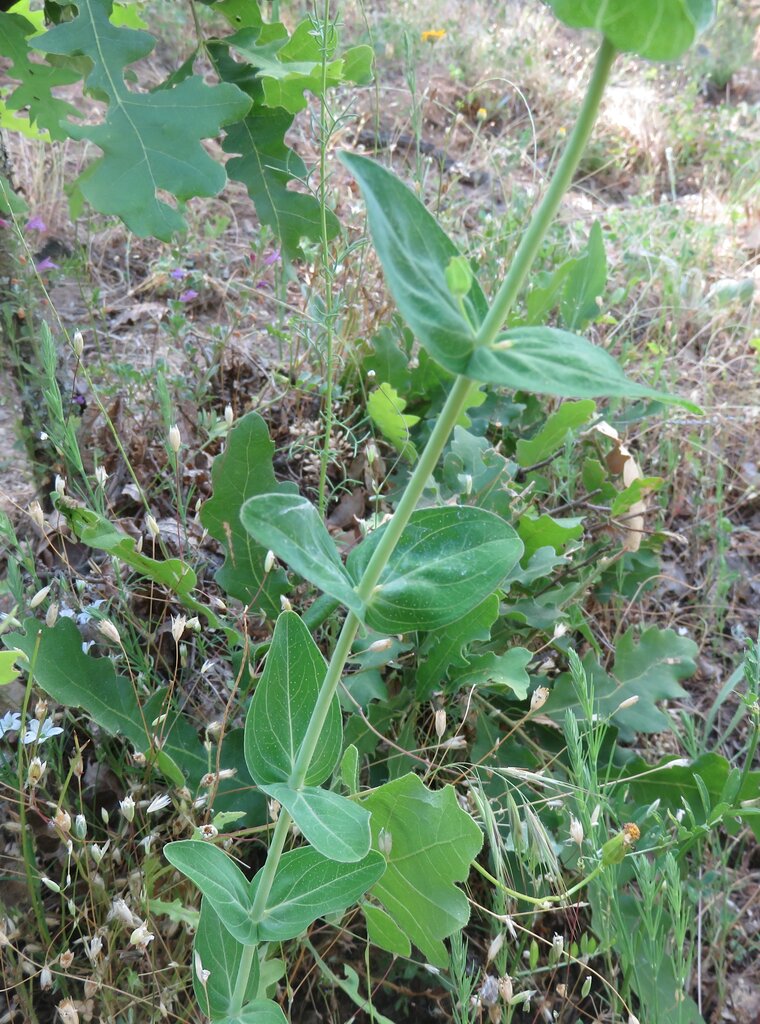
241,982
274,853
326,268
561,181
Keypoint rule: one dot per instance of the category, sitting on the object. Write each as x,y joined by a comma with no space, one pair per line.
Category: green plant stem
269,870
541,220
327,269
260,903
241,982
537,900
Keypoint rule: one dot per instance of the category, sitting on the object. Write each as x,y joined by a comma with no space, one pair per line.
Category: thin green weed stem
326,268
561,181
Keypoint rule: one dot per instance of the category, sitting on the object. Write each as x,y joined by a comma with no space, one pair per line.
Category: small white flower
539,697
285,604
175,438
576,831
153,527
109,631
67,1011
158,803
120,912
40,596
77,344
10,722
37,515
269,561
100,476
384,842
381,645
496,943
440,723
208,832
94,947
60,485
178,627
627,703
38,732
127,807
51,615
229,415
35,771
202,974
141,937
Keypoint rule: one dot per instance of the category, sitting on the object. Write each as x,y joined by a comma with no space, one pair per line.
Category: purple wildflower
273,257
178,273
189,295
47,264
4,223
36,224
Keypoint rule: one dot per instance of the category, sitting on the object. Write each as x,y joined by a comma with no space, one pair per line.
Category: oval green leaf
219,954
447,561
220,881
260,1011
282,707
655,29
291,527
307,886
335,826
548,361
415,252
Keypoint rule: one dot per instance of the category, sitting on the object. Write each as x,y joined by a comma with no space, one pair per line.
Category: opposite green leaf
432,842
291,527
219,954
307,886
547,361
260,1011
220,881
282,707
150,141
335,826
552,435
415,252
655,29
242,470
447,561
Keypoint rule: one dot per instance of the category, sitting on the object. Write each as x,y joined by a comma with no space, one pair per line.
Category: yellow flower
432,35
482,114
